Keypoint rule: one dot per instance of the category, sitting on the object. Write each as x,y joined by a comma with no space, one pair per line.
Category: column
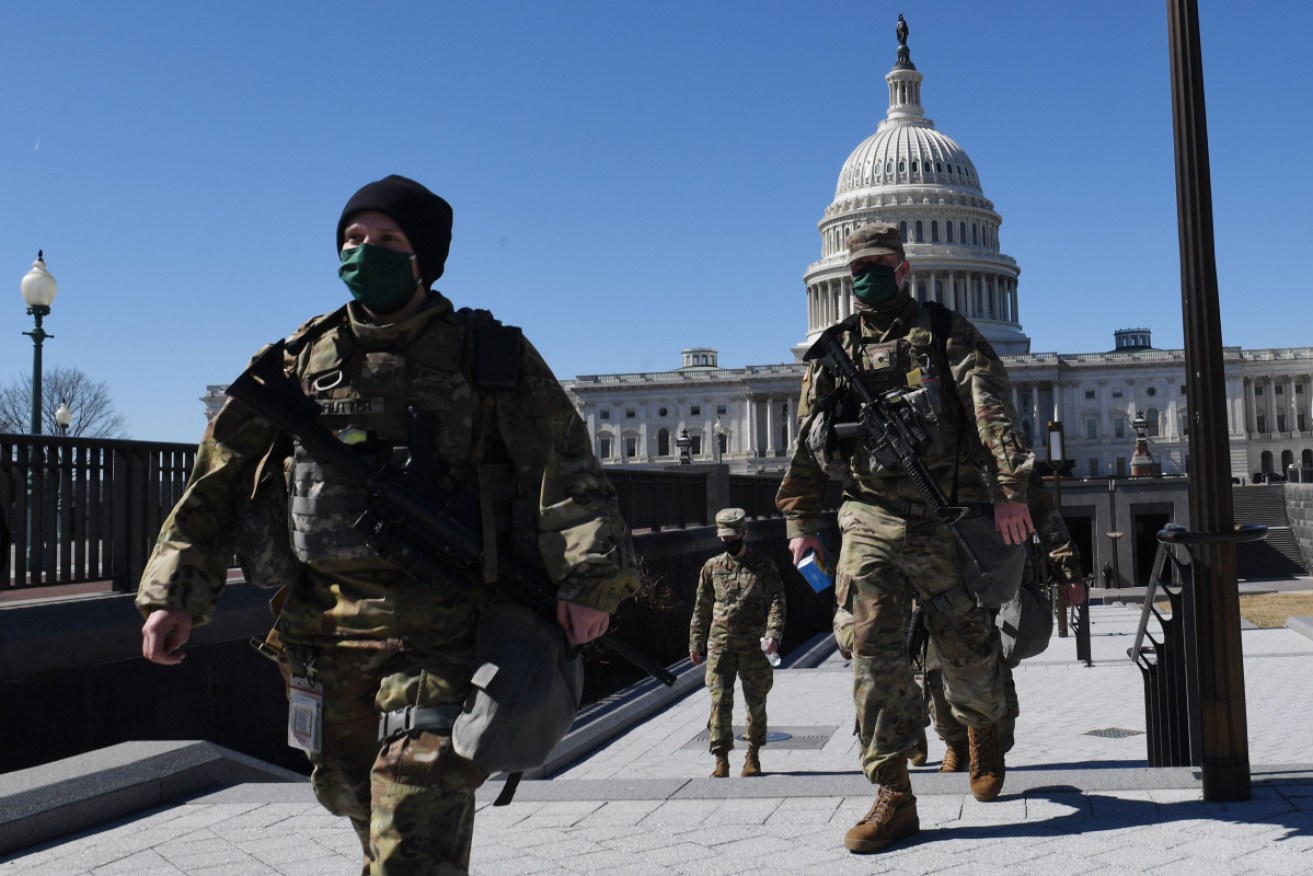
750,433
770,425
1292,423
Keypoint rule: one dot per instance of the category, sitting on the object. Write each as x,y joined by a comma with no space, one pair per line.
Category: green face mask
379,278
875,285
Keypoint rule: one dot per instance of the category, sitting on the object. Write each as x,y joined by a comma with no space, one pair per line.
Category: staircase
1278,555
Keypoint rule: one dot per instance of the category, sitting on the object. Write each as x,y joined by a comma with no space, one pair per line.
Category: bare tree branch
89,400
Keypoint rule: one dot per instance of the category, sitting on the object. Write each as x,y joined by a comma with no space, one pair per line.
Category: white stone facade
910,174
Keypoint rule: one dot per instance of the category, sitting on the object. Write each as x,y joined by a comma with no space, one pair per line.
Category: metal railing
79,510
1168,663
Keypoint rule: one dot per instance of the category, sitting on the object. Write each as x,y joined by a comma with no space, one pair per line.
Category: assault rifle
412,517
892,432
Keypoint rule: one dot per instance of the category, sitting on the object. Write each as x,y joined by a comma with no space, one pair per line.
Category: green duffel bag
994,583
526,691
1025,623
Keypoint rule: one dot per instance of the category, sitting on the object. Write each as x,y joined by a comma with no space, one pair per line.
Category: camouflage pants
947,727
755,674
411,801
884,562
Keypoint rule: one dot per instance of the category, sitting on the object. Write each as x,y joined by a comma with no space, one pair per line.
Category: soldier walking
894,549
737,625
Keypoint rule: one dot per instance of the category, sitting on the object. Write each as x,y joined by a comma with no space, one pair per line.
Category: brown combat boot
891,817
752,765
918,754
987,769
957,757
722,766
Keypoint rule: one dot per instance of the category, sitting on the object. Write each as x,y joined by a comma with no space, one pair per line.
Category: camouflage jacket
740,599
531,429
891,351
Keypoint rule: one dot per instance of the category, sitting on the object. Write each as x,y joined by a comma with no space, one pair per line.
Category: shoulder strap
492,350
297,340
941,326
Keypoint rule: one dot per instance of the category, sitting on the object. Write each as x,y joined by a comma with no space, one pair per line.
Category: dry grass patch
1274,609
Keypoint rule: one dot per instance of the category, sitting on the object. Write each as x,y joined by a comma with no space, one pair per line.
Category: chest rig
905,372
391,392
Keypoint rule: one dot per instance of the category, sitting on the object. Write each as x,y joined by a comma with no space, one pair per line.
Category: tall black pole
1213,601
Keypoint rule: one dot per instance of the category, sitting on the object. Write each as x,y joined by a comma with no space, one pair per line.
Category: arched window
948,230
901,165
913,167
939,167
962,231
975,240
1151,422
663,442
604,448
889,166
934,231
1287,460
920,291
902,230
939,291
1306,458
920,233
1265,461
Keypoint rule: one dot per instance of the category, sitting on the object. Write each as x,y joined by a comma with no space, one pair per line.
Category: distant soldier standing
740,600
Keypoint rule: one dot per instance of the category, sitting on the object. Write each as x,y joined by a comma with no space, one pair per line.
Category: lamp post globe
63,417
39,288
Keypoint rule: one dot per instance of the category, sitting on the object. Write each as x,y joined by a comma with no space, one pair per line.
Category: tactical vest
364,391
904,366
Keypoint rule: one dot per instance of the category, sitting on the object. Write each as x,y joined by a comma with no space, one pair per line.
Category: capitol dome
909,174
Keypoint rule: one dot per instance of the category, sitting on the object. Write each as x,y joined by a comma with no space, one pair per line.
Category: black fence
79,510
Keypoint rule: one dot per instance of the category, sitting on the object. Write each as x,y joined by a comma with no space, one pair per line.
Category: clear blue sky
628,178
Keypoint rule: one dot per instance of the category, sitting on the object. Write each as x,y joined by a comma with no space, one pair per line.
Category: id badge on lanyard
305,715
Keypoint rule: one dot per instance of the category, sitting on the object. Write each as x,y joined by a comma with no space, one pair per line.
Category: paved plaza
1078,797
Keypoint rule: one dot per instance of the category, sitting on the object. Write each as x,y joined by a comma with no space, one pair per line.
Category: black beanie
422,215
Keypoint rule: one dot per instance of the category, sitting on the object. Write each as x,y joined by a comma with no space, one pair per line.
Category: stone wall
1299,508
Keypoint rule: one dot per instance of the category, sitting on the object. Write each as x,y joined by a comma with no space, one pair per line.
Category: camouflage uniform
1064,567
891,553
377,639
740,599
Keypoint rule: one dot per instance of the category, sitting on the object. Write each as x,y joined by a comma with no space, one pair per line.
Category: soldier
391,656
740,600
1063,562
892,552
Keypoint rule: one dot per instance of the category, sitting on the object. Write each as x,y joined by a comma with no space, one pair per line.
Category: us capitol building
911,174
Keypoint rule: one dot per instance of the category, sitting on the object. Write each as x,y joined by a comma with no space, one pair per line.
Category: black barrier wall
72,678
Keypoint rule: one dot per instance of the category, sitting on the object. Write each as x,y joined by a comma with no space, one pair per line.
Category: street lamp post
1116,567
1057,458
718,435
39,289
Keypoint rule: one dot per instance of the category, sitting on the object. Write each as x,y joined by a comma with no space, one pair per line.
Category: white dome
907,154
910,175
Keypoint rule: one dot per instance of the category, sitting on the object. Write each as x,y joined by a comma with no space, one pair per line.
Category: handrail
1174,534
